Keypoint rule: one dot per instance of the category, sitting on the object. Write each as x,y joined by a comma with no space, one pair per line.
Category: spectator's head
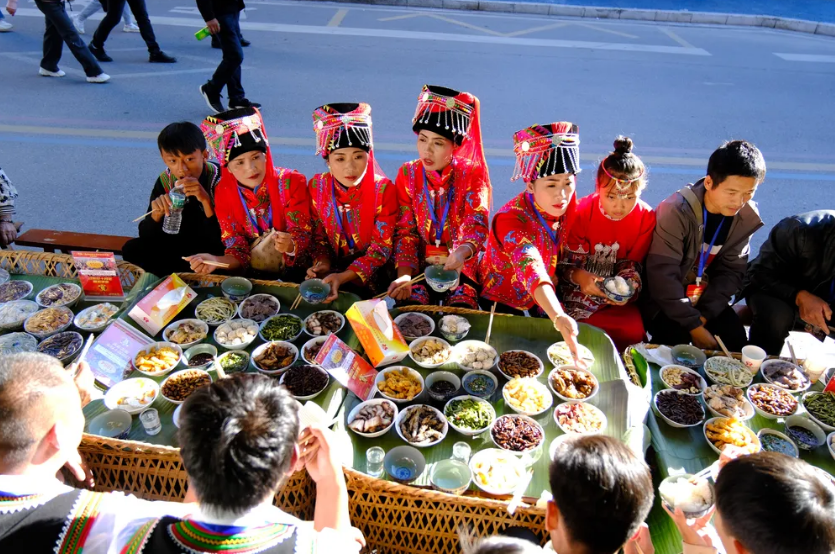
734,172
602,494
621,177
238,441
40,415
770,503
183,149
502,545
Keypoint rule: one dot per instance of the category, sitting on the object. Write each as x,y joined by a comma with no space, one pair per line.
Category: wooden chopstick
143,216
214,264
400,286
490,325
722,345
296,302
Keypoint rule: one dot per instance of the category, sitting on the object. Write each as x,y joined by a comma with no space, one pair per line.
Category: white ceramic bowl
594,391
175,375
317,340
200,349
27,285
250,299
539,372
489,375
702,382
288,339
176,416
546,394
595,409
768,363
518,416
750,411
669,421
464,430
558,354
381,376
424,317
227,328
710,443
227,354
214,323
257,352
504,457
42,335
769,431
96,328
418,342
308,396
710,363
405,412
824,426
337,314
763,413
801,421
373,402
165,371
830,444
448,376
22,309
126,388
69,304
458,354
202,325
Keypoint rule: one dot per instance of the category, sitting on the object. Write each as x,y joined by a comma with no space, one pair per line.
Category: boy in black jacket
183,149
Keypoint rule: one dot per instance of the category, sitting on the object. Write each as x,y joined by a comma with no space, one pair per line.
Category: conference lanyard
338,216
250,212
704,254
439,226
551,232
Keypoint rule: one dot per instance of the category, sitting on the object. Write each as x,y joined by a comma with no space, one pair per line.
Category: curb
629,14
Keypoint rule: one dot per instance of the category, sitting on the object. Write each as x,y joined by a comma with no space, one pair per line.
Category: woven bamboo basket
198,280
24,262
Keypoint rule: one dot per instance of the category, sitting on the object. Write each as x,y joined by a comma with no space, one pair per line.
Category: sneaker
161,57
100,54
78,24
130,28
243,103
5,26
100,78
47,73
212,98
245,42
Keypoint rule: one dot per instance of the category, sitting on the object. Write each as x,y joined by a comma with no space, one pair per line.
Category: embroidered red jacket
466,223
329,240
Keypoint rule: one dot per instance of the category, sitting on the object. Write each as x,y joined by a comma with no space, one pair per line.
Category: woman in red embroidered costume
263,210
353,205
444,198
610,237
526,237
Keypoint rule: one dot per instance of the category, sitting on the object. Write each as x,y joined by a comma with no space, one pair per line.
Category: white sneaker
78,24
101,78
131,28
46,73
5,26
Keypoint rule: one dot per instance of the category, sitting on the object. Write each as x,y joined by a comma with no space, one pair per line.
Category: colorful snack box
379,336
161,305
98,275
347,367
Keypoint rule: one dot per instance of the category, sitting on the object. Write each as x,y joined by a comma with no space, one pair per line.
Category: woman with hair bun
610,237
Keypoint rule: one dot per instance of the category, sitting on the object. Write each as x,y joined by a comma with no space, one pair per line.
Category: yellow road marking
337,18
603,29
537,29
467,25
406,16
675,37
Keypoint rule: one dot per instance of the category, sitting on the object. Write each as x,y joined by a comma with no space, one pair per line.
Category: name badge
436,254
694,292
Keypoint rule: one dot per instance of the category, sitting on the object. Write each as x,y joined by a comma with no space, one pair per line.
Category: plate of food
772,402
527,396
617,289
274,357
679,409
688,355
132,395
570,383
559,354
215,311
63,346
186,332
719,432
469,415
520,363
311,348
430,352
517,433
286,327
62,294
421,425
442,385
13,314
259,307
48,322
14,343
158,359
775,441
414,325
372,418
234,361
323,323
480,383
785,375
684,379
475,354
728,401
454,327
694,496
496,471
399,383
236,334
821,408
178,386
95,318
579,418
728,371
15,290
305,382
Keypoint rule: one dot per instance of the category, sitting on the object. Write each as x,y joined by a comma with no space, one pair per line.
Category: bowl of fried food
274,357
372,418
527,396
719,432
399,383
728,401
158,359
571,383
178,386
520,363
186,332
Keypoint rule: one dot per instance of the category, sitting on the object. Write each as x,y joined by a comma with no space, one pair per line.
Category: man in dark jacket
222,17
700,250
794,275
183,149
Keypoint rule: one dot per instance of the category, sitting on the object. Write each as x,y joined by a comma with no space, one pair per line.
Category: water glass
461,452
150,421
374,457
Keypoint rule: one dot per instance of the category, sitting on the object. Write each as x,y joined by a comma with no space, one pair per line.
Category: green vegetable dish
233,362
282,327
469,414
822,406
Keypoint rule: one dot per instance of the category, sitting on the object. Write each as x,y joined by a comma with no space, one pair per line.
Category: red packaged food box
98,275
347,367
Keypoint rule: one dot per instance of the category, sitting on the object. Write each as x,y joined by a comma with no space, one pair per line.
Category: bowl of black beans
679,409
442,385
305,382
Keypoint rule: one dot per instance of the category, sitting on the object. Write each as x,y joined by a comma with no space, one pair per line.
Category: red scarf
227,196
364,194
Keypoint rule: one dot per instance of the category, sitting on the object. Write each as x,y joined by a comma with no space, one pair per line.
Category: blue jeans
59,29
228,73
115,9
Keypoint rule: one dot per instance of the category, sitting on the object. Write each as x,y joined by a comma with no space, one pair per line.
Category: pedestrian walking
5,26
111,19
96,5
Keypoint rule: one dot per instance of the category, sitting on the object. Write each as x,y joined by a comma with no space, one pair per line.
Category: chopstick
706,471
722,345
400,286
296,302
143,216
490,325
791,351
83,353
213,264
517,494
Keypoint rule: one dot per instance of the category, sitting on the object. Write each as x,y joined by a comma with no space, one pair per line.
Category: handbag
264,256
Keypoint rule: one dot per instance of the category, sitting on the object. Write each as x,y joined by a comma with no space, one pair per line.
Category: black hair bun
623,145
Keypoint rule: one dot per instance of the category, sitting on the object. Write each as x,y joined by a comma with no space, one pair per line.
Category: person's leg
140,12
53,45
728,326
233,56
88,10
664,330
57,15
772,320
234,87
111,19
126,16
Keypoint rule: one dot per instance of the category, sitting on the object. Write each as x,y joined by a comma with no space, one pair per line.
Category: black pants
773,319
59,29
727,325
114,15
228,73
149,255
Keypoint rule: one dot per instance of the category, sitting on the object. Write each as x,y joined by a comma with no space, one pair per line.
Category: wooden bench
65,241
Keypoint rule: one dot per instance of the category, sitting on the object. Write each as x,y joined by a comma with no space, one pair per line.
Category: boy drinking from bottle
184,152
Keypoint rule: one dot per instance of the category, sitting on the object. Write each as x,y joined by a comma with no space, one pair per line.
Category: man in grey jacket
699,252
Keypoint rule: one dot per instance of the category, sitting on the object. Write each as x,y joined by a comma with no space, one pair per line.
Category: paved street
84,156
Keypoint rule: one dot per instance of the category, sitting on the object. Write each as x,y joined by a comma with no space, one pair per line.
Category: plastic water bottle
171,224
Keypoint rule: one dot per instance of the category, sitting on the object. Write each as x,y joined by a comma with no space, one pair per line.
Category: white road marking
337,18
814,58
675,37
